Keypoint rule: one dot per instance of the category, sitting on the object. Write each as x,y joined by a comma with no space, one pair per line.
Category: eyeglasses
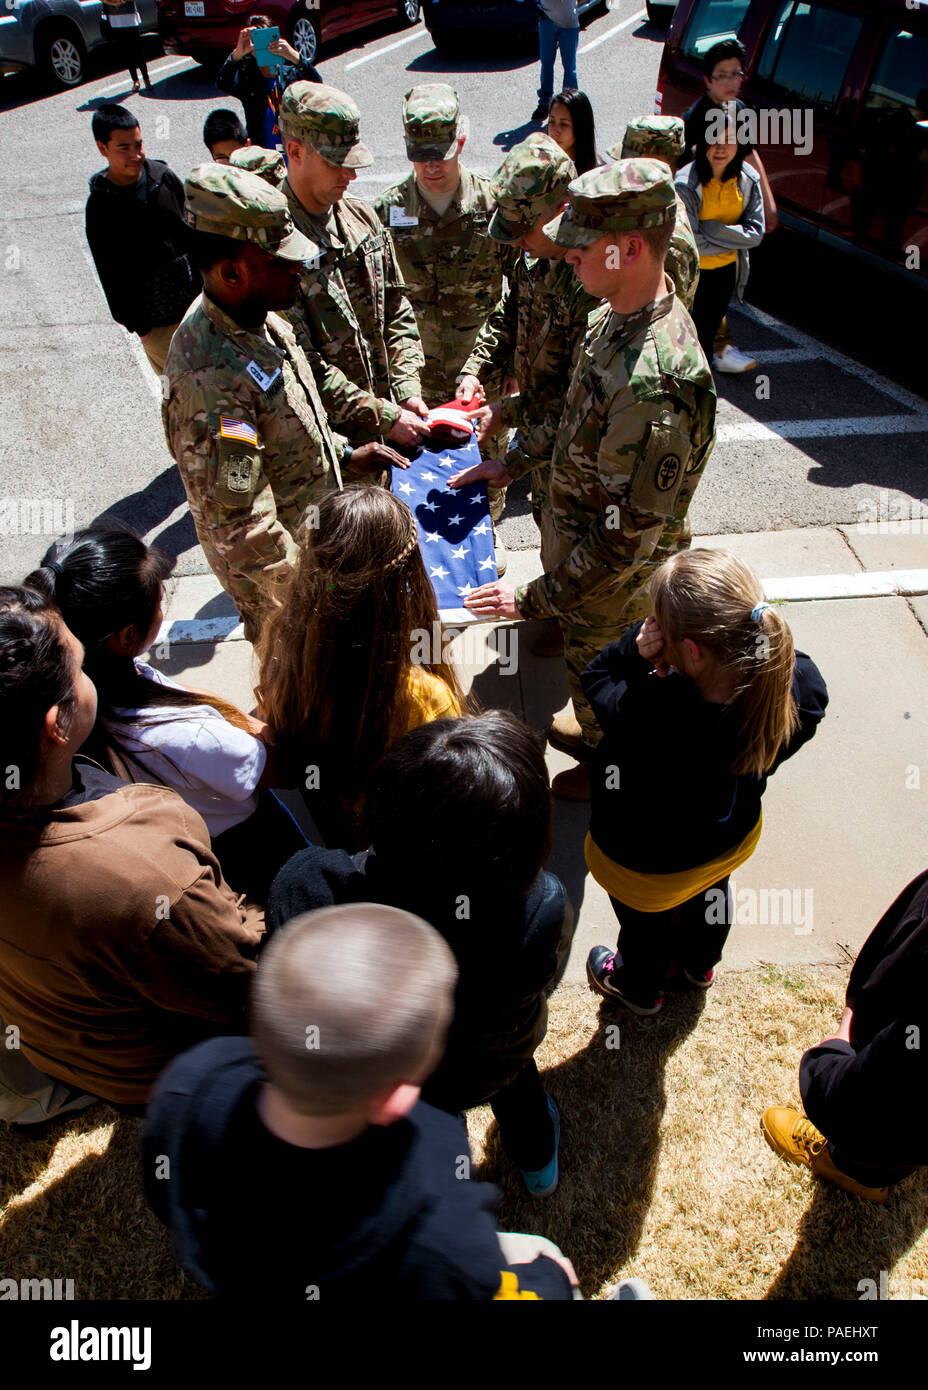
726,76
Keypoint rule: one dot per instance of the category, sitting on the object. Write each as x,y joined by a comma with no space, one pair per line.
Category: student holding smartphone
260,88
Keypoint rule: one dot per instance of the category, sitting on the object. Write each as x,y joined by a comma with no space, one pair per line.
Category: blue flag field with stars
455,531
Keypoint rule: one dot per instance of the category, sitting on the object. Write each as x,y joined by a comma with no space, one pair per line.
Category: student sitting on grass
223,134
865,1127
109,586
120,942
301,1164
338,680
698,706
459,815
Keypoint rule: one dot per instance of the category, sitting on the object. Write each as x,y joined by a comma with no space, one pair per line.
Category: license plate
194,9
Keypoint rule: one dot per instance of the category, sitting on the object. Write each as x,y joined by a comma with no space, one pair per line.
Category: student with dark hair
120,942
723,74
458,818
135,228
572,126
725,206
109,587
223,134
698,706
865,1127
354,1191
339,676
260,89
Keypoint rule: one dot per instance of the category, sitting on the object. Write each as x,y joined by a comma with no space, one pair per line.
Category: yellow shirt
721,202
661,892
430,698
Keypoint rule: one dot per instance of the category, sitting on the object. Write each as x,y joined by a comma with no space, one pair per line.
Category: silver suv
56,36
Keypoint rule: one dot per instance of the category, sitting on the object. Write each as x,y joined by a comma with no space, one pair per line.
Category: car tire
304,35
448,41
410,11
658,14
62,56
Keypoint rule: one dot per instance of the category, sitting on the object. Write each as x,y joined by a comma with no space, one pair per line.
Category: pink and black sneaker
602,968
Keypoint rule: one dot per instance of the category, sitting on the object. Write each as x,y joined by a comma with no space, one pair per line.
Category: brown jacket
120,942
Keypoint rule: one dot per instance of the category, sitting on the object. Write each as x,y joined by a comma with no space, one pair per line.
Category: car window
808,50
711,22
900,78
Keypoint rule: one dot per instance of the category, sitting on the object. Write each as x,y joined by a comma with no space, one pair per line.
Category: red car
207,30
840,92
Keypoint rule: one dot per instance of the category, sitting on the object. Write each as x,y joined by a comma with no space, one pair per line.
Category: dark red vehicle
840,91
208,29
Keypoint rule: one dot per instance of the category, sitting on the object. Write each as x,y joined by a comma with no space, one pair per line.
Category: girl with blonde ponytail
698,705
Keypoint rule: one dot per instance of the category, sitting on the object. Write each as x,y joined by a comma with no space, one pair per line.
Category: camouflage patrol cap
431,113
629,195
655,137
530,182
238,204
328,120
269,165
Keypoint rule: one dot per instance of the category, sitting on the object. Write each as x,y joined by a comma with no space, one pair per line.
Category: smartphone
262,40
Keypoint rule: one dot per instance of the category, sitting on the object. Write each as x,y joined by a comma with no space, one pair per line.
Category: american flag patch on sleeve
237,429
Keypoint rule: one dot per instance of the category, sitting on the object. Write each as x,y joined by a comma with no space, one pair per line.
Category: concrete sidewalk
844,821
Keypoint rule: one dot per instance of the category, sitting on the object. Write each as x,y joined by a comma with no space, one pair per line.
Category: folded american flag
455,532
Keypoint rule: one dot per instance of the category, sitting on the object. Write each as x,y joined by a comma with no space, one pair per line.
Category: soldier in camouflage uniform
270,165
661,137
352,312
538,326
637,430
438,217
242,416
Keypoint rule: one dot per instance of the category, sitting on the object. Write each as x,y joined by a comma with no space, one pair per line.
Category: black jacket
139,242
662,797
510,955
389,1217
246,81
868,1096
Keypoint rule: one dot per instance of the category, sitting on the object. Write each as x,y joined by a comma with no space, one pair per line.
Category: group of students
321,1014
414,943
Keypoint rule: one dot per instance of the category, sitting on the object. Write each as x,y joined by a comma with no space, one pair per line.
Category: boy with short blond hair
354,1186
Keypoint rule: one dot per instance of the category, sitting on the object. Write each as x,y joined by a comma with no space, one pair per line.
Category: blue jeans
550,39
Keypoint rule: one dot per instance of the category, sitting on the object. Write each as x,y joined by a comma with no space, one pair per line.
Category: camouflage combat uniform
453,270
536,330
352,312
661,137
637,431
242,416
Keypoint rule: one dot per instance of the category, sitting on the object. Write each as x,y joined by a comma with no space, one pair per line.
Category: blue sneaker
543,1181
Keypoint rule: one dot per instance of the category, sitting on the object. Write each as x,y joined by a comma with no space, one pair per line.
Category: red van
208,29
839,89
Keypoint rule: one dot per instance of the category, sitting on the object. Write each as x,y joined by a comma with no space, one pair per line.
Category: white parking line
153,72
610,33
740,431
837,359
369,57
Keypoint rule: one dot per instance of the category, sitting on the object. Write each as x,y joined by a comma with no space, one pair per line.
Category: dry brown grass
664,1171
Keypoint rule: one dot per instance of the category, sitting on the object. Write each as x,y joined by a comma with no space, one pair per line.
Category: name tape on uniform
262,378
